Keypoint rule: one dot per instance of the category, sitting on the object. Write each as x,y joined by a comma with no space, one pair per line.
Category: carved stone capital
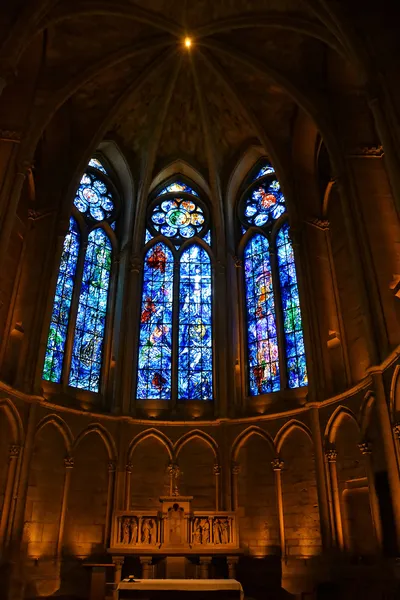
217,469
331,455
69,462
277,464
322,224
365,447
396,430
129,467
14,451
118,561
10,135
136,265
23,167
237,262
235,467
112,466
367,151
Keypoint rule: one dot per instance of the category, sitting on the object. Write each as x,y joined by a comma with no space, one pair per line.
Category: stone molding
367,151
331,455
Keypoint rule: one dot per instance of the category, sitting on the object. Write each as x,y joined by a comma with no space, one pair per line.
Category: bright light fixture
188,42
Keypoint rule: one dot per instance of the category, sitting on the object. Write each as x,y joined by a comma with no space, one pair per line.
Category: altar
166,540
195,589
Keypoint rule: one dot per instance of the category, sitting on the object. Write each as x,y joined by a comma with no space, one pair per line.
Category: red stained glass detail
148,310
158,381
267,200
157,260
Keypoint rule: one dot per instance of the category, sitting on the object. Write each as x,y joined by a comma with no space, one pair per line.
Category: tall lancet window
175,358
75,346
275,343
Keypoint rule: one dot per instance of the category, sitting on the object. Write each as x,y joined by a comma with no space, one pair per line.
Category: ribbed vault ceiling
123,70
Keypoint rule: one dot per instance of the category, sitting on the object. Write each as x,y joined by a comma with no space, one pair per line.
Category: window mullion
280,329
73,312
175,334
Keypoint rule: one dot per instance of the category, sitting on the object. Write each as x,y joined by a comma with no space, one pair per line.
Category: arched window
175,358
75,343
275,343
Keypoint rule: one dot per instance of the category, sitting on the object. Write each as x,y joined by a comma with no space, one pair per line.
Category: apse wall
301,482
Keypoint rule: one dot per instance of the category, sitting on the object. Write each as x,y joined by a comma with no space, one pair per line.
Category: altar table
196,589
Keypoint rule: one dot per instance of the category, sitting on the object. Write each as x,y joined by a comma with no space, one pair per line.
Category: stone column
396,432
320,472
277,465
69,465
145,561
366,449
205,562
22,489
5,515
388,448
217,475
331,456
232,562
235,469
118,563
128,478
110,494
8,223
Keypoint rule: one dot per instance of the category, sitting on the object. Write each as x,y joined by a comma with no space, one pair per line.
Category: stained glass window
87,351
263,351
178,186
195,325
96,164
95,199
295,353
175,348
155,345
261,204
54,358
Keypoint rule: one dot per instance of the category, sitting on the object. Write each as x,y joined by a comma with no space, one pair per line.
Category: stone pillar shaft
277,466
69,463
110,495
5,515
322,488
331,456
365,449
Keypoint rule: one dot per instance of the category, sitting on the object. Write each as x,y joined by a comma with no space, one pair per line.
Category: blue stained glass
264,204
178,186
53,362
265,170
177,217
148,237
262,340
94,162
207,237
87,350
94,198
154,364
195,378
295,353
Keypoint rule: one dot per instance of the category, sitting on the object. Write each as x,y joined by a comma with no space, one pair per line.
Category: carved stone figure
217,531
126,531
225,531
147,531
205,530
196,531
134,531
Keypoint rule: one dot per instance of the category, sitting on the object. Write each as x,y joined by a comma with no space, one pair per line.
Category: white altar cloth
183,585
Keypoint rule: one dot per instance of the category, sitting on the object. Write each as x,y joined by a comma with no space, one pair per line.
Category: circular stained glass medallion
262,204
94,198
177,217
